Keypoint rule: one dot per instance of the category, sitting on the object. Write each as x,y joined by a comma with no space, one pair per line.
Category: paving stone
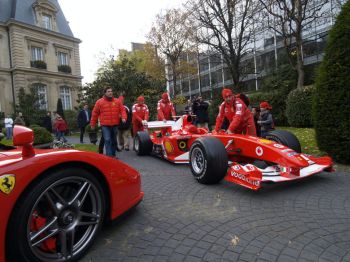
182,220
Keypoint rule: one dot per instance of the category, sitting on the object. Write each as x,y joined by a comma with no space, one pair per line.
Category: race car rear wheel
57,218
142,143
285,138
208,160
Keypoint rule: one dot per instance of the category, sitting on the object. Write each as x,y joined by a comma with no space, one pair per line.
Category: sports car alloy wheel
197,160
61,218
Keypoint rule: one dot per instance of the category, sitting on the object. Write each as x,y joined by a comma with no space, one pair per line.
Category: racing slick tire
208,160
142,143
57,218
285,138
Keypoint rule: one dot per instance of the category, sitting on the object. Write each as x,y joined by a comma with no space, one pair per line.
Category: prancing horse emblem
7,183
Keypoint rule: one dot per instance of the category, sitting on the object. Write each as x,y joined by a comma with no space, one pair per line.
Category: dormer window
45,14
47,21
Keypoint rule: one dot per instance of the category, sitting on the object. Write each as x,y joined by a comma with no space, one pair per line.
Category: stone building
37,49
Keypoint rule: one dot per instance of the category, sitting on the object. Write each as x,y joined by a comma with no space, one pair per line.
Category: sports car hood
10,157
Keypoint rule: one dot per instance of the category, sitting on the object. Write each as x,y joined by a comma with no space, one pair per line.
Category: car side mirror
23,136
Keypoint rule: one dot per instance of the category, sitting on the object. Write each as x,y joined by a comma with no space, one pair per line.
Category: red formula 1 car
54,202
245,160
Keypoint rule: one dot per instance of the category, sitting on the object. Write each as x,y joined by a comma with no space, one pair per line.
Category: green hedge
71,119
298,107
41,135
331,102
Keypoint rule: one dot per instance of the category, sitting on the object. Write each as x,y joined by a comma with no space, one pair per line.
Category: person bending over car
165,109
140,115
237,113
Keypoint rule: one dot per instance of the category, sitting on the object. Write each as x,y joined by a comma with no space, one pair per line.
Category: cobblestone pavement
182,220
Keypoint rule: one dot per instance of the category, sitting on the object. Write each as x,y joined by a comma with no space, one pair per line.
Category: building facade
266,48
37,49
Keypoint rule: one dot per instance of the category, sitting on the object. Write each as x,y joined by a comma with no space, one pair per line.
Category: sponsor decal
7,183
236,167
245,179
292,154
168,147
287,150
278,145
265,141
259,151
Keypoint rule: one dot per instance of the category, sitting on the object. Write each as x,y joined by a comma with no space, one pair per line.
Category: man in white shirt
8,125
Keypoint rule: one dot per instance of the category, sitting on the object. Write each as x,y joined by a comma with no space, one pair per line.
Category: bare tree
171,33
226,26
292,17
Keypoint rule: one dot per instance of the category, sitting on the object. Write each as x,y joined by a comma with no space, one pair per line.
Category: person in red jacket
61,127
140,115
237,113
108,110
165,109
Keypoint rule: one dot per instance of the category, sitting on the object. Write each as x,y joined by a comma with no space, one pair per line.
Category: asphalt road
182,220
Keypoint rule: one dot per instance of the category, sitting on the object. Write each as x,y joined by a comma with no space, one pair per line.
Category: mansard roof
23,11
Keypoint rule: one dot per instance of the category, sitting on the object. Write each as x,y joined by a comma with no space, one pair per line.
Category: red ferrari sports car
245,160
54,202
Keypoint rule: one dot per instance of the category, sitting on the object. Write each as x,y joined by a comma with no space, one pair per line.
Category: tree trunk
300,61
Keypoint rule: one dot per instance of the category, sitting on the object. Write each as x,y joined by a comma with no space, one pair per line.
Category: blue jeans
61,135
8,133
109,135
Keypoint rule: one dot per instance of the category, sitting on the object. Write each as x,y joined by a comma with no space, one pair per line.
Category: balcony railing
38,64
65,69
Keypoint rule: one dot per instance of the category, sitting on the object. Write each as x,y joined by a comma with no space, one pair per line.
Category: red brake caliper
39,222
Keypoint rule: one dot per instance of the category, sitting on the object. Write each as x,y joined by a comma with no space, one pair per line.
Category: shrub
275,89
71,119
41,135
277,100
298,109
213,109
331,106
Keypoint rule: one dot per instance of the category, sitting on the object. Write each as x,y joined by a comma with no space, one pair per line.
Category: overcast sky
105,26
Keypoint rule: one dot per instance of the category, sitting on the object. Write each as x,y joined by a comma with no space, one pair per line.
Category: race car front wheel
208,160
57,218
285,138
142,143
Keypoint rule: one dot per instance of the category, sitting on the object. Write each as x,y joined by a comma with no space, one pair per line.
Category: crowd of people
119,122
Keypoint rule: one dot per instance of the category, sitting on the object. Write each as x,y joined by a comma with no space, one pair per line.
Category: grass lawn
87,147
307,140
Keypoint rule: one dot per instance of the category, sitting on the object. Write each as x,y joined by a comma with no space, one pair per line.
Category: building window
65,97
42,96
47,22
62,58
37,54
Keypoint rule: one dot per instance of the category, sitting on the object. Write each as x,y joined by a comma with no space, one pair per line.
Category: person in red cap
140,115
237,114
266,120
165,108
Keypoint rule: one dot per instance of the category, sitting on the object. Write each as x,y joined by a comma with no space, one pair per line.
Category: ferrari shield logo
7,183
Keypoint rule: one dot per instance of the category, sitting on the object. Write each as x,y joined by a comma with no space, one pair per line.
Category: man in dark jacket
83,120
200,109
47,122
